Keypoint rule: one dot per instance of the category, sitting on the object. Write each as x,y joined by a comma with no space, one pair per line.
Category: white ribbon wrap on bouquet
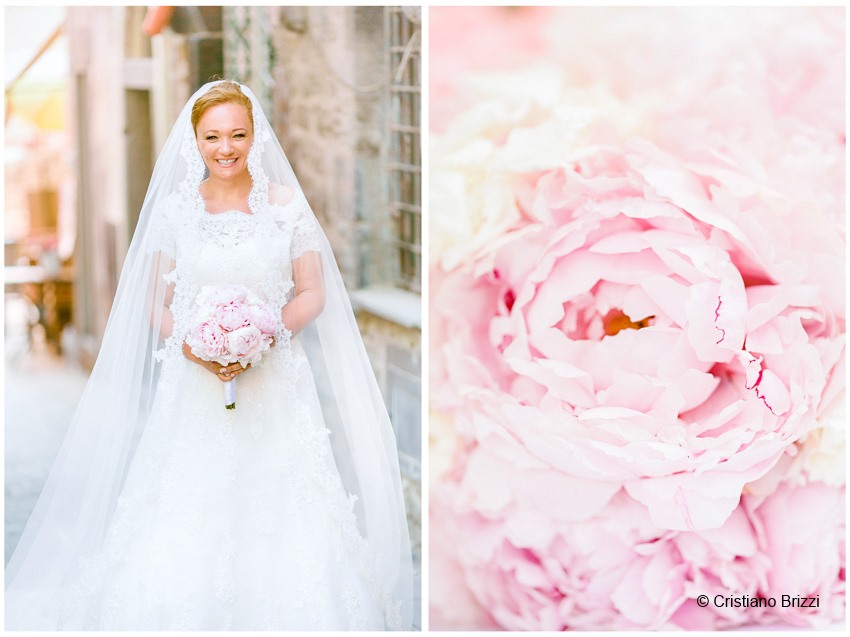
230,394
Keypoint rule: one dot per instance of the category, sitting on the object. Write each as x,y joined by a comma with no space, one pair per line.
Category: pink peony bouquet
637,322
231,325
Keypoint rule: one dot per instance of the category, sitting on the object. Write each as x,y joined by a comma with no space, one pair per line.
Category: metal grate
405,165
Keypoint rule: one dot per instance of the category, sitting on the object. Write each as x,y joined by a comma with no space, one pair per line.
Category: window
405,162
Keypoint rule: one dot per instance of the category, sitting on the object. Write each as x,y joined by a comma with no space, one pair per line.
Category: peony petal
684,189
630,598
704,333
773,393
669,296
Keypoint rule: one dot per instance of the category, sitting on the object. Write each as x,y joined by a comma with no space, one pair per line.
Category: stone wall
330,110
329,114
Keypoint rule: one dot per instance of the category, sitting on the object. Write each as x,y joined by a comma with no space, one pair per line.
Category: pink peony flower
536,569
620,336
261,317
637,326
245,344
232,316
208,341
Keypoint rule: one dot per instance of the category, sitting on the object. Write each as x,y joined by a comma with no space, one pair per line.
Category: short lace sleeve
163,230
305,236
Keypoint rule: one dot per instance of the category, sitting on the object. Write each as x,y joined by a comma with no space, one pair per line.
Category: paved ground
41,394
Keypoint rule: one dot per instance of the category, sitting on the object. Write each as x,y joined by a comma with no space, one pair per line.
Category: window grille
405,165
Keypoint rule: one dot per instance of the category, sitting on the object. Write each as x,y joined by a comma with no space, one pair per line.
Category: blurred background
91,94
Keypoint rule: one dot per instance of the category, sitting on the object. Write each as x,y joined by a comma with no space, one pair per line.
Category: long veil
71,517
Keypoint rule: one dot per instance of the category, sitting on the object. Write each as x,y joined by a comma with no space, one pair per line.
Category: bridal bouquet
231,324
637,319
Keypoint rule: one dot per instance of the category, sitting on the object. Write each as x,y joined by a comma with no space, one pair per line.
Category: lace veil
70,519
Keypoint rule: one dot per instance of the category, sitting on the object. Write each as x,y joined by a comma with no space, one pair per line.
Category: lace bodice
232,248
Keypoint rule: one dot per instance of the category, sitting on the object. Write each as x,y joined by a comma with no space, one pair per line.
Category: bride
166,511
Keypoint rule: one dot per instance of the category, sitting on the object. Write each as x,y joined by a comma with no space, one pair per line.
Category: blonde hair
225,92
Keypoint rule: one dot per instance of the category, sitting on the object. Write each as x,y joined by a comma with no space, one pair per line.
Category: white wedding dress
233,519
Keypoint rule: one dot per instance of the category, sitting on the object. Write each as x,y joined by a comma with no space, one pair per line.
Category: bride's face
224,135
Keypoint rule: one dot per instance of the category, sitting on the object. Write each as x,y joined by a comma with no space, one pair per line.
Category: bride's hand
229,372
223,372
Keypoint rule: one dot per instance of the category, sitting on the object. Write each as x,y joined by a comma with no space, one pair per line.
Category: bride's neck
234,190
